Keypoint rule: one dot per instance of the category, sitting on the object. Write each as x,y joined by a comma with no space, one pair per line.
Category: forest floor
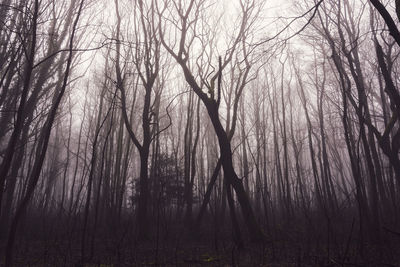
113,252
54,244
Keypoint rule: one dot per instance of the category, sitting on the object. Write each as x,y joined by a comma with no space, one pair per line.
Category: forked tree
188,18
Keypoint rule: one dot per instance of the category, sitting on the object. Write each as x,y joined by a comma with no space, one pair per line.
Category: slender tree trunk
43,143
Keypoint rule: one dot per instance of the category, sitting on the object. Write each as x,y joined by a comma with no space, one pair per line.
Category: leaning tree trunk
231,176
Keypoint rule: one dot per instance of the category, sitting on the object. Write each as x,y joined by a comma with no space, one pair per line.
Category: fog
197,132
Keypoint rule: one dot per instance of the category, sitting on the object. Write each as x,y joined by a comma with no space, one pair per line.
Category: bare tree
212,100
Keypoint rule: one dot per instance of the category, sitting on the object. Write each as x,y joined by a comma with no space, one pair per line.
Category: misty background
197,132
